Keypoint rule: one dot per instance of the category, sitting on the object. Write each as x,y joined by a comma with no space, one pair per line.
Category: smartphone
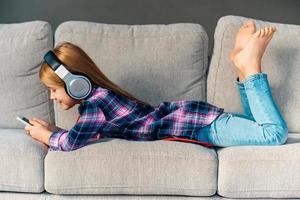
24,120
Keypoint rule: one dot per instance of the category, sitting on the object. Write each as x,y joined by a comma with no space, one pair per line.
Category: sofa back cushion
22,46
281,62
153,62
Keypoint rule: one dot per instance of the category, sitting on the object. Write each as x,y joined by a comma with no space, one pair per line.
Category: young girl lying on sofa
109,111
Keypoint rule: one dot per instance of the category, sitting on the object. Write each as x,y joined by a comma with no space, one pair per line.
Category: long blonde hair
76,60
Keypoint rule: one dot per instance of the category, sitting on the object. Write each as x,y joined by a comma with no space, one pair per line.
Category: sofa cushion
260,171
22,47
119,166
22,162
47,196
281,62
153,62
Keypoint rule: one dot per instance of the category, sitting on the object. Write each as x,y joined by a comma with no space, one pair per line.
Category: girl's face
59,94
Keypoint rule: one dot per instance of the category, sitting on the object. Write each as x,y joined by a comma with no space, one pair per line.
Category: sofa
156,63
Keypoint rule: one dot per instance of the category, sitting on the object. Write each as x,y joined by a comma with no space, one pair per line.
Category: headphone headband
52,60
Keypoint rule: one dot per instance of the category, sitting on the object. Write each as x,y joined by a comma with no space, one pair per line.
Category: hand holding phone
24,120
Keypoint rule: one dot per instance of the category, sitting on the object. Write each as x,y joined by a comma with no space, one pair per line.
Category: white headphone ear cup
78,87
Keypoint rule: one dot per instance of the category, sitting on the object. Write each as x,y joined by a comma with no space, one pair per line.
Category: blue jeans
262,123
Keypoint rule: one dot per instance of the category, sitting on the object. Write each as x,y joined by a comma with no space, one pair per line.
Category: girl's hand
38,132
45,124
40,121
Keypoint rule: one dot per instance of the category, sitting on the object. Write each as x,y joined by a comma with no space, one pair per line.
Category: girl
110,111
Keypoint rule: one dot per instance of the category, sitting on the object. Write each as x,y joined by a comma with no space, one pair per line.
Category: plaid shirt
106,114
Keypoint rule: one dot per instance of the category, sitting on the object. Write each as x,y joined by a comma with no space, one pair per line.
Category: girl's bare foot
242,38
248,60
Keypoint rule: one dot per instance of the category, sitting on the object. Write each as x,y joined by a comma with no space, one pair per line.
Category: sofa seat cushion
117,166
22,47
260,171
22,162
47,196
153,62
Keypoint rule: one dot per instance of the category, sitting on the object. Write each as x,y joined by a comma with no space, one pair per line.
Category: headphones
77,86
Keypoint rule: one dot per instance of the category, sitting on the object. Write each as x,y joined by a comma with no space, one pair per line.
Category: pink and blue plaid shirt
105,114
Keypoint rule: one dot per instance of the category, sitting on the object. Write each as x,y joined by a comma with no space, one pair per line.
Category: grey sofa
156,63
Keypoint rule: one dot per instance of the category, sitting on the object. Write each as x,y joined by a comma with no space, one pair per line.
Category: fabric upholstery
280,61
260,171
22,47
22,162
156,63
47,196
153,62
116,166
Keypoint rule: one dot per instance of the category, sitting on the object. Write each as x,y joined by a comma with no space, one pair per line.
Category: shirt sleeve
88,125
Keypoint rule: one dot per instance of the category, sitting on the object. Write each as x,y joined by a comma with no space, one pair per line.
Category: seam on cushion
203,67
20,156
51,111
203,64
218,65
276,190
258,160
15,186
130,37
138,157
48,101
135,186
55,113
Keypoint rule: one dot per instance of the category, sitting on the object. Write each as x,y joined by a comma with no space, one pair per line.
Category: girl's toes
269,30
264,31
257,33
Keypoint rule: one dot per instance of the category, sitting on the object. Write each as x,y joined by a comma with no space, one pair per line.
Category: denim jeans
261,124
